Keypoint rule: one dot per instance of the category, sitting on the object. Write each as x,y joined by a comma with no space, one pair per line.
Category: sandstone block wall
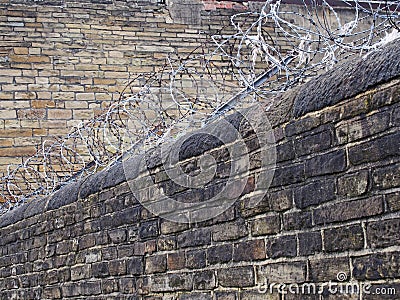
62,62
333,207
65,61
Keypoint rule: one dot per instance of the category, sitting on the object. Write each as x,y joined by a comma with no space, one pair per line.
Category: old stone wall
331,214
62,62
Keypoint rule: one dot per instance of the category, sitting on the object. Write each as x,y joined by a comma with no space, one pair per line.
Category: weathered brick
109,285
63,96
156,264
11,72
8,114
127,285
117,267
204,280
326,269
82,114
91,287
18,151
376,266
396,116
64,247
353,184
376,149
166,243
353,130
236,277
349,210
117,236
176,260
265,225
229,231
171,282
383,233
80,272
134,265
302,125
100,269
148,229
71,289
220,254
247,206
249,250
314,193
284,151
393,201
284,272
327,163
52,292
280,200
195,237
384,97
297,220
310,243
84,96
107,81
76,104
386,177
313,143
50,277
344,238
282,246
195,259
285,175
59,114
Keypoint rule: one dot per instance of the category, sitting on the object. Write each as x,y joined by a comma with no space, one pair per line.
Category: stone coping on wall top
342,82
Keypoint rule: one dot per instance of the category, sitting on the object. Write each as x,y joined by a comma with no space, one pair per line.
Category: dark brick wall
333,207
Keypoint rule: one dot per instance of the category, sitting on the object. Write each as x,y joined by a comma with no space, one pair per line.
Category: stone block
383,233
266,225
282,246
229,231
195,259
249,250
236,277
354,184
327,163
376,149
376,266
326,269
340,239
297,220
204,280
315,193
349,210
195,237
156,264
309,243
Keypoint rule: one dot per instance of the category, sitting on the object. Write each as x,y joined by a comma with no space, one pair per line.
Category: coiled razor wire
265,52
